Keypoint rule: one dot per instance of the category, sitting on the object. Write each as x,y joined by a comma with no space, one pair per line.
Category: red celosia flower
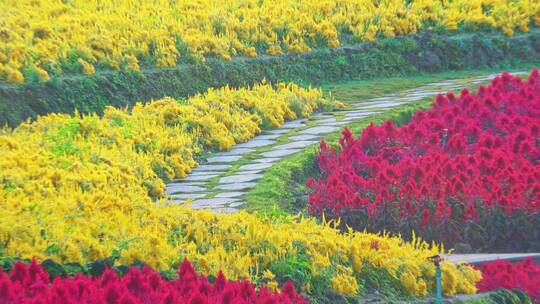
465,158
31,284
524,275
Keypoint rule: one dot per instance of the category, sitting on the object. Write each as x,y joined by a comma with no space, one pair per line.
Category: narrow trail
222,179
225,177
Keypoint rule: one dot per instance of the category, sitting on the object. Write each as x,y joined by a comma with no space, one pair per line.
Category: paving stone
248,172
183,183
321,115
194,173
254,143
230,194
421,94
389,105
236,186
211,167
219,201
279,153
488,257
295,144
204,206
236,151
303,137
442,83
360,112
383,99
278,131
255,166
171,189
224,159
326,120
203,177
355,115
237,204
226,210
183,196
268,136
267,160
336,124
239,178
293,124
319,130
351,118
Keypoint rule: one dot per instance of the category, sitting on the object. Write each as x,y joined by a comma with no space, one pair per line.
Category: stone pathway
479,258
224,177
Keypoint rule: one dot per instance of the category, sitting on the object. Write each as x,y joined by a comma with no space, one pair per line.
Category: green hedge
387,57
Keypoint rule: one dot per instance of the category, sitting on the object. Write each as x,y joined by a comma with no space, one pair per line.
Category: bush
466,171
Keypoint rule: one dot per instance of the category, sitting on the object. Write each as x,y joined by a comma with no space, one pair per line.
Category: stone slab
214,201
183,196
255,143
258,166
236,151
247,172
389,105
235,186
335,124
184,189
279,153
326,120
211,168
295,144
199,177
195,173
267,160
487,257
237,204
239,178
230,194
226,210
224,159
319,130
293,124
278,131
267,136
303,137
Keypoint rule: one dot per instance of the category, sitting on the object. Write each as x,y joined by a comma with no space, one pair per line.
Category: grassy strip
282,188
387,57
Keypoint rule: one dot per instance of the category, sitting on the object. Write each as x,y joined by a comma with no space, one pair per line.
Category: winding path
223,178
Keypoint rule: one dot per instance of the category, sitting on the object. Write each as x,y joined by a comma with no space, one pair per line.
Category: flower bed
466,171
29,283
316,257
524,276
62,161
49,38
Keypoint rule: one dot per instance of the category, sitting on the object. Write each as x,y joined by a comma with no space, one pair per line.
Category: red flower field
524,276
466,171
29,283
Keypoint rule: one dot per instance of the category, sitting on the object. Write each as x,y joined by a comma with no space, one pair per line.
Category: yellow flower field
79,188
242,245
63,166
41,38
84,157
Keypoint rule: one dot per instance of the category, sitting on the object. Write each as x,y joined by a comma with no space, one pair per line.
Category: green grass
357,90
282,189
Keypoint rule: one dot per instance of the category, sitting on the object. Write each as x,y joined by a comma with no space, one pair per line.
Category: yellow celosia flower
344,284
119,34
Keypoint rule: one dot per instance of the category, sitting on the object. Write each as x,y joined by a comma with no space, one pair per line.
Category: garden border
425,52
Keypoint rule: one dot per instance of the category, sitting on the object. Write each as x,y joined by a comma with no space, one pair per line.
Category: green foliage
425,52
61,140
